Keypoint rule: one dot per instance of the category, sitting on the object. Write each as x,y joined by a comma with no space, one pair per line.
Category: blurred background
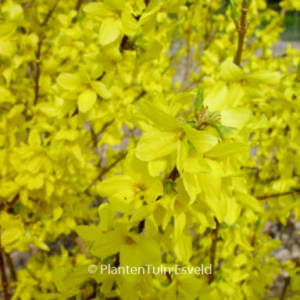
292,23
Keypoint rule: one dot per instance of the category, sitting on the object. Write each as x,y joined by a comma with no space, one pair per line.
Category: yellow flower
127,192
87,88
135,250
116,20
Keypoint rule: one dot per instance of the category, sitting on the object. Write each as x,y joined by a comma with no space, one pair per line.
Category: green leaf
199,100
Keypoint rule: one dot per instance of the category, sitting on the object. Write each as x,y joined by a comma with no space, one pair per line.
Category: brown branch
108,168
253,239
143,93
50,13
174,174
117,261
3,273
141,226
242,30
78,5
255,180
106,125
38,70
287,281
186,75
213,249
124,43
101,77
208,21
11,267
264,197
169,277
38,56
249,168
9,205
77,8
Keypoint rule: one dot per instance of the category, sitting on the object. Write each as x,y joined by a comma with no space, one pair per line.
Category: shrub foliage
156,132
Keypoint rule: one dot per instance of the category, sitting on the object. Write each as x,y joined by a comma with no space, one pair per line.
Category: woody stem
242,30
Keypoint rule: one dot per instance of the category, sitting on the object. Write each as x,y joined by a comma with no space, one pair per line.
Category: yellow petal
155,167
150,251
69,82
160,119
6,48
143,212
203,141
101,89
109,31
113,185
249,201
228,149
129,24
155,144
191,184
86,100
34,139
47,109
10,235
118,5
211,183
196,163
236,117
89,233
107,244
6,95
98,10
106,215
131,256
182,239
233,210
7,29
264,77
182,154
215,100
234,96
231,72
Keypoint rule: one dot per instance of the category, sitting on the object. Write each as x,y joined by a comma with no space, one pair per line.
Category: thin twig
11,266
253,239
278,195
168,274
242,29
249,168
124,43
78,5
255,180
50,13
105,126
188,48
284,289
213,249
108,168
141,226
38,70
117,261
39,51
208,21
3,273
174,174
143,93
77,8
